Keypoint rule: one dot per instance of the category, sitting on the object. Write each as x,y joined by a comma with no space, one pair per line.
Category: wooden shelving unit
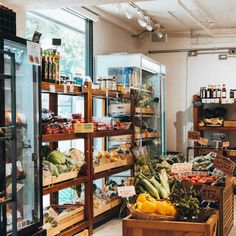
90,175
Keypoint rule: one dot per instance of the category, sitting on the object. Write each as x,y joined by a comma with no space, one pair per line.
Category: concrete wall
185,75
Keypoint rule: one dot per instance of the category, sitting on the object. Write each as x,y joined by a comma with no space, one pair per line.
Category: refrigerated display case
20,167
145,78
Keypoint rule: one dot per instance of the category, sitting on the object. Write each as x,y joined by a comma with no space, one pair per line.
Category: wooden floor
114,227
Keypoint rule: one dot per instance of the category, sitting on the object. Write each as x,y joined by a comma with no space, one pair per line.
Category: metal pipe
190,49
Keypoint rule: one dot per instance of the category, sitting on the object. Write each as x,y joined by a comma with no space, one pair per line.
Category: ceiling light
149,27
128,13
117,7
159,35
142,22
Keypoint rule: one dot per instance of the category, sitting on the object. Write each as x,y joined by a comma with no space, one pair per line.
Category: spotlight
149,27
128,13
142,20
159,35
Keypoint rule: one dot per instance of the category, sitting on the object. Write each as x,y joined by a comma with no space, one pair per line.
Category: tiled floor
114,227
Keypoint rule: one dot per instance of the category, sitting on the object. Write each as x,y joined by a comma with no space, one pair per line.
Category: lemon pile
147,204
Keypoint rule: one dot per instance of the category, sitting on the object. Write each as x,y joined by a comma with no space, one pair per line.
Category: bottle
208,92
46,78
53,69
214,91
219,92
43,66
50,69
223,91
57,62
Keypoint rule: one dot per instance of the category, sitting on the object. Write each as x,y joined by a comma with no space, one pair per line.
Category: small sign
56,42
210,193
194,135
52,88
71,88
225,144
52,213
36,37
65,88
224,164
126,191
33,53
181,168
203,141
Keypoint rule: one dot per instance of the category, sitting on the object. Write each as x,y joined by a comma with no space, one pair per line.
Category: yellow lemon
148,207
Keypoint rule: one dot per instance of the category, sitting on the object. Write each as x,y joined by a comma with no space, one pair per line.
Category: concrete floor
114,227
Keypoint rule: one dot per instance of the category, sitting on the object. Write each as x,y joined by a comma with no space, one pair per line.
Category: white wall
185,75
109,38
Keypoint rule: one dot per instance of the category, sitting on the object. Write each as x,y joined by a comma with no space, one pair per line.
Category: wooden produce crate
83,233
66,220
231,153
62,177
147,135
115,202
230,123
134,227
150,111
111,165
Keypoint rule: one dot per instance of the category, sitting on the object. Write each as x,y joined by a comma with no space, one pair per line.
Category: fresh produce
147,204
185,201
56,162
158,189
204,163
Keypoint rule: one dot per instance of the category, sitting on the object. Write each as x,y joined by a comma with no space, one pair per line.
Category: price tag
126,191
194,135
203,141
33,53
225,144
71,88
224,164
181,168
210,193
52,88
65,88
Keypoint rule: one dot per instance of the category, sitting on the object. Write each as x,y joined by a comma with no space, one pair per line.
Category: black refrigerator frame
35,228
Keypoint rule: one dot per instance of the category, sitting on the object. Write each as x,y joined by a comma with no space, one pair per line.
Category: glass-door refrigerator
20,170
145,78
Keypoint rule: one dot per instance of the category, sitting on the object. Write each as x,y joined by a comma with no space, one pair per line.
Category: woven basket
143,216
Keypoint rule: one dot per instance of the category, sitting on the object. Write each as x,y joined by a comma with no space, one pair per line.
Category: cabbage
56,157
62,168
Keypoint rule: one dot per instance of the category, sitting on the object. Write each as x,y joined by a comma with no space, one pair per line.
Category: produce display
56,162
204,163
55,124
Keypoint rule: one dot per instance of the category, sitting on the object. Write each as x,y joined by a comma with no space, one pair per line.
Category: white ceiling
214,13
217,13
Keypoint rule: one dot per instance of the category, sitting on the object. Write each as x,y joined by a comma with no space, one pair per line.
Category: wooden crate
145,110
111,165
134,227
62,177
107,207
66,221
83,233
147,135
230,123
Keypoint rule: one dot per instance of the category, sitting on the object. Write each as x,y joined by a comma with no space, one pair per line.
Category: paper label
52,213
52,88
71,88
203,141
65,88
181,168
225,144
126,191
224,164
33,53
194,135
210,193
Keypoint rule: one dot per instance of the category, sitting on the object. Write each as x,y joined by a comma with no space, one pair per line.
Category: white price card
203,141
33,53
181,168
126,191
225,144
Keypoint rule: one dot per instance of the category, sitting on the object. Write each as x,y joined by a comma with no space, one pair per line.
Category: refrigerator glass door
27,134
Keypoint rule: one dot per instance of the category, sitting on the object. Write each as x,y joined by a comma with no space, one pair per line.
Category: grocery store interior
117,118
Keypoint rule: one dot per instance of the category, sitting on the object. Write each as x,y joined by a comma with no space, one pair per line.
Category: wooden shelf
146,111
61,137
66,184
48,87
219,128
113,171
103,94
107,133
147,135
75,229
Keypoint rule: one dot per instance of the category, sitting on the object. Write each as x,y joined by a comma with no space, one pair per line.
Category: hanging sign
224,164
126,191
181,168
210,193
203,141
193,135
33,53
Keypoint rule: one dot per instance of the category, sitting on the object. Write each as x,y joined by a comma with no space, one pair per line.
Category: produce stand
134,227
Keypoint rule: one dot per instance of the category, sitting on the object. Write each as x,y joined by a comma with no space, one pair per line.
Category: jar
103,83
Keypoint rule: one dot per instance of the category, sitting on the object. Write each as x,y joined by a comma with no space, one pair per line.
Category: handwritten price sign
203,141
126,191
181,168
210,193
224,164
193,135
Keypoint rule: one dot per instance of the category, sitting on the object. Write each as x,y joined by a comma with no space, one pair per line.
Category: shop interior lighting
128,12
158,32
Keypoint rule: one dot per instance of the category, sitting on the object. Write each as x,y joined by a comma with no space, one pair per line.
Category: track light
128,13
159,35
149,28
